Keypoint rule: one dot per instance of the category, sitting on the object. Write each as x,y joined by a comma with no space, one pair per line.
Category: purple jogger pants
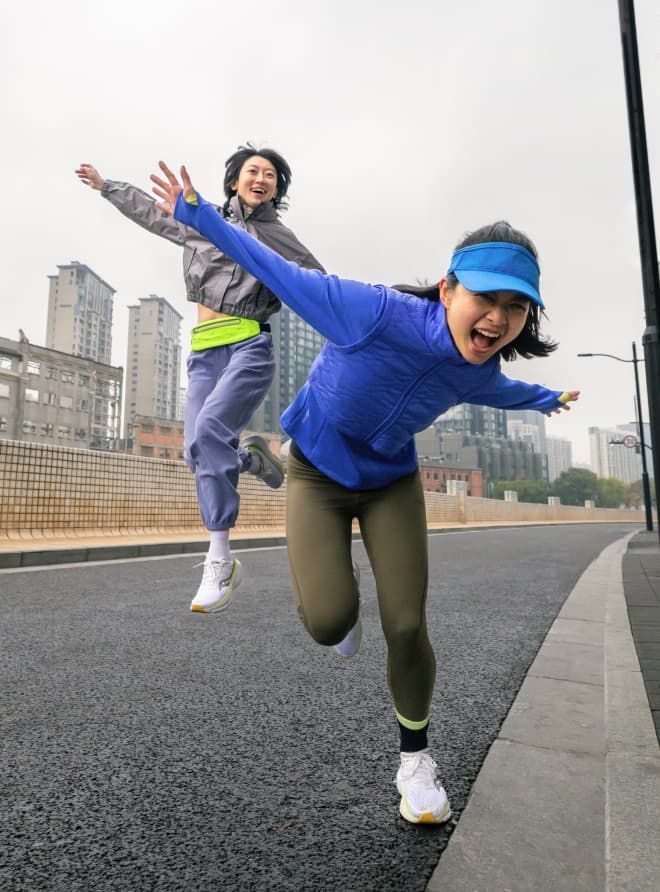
225,386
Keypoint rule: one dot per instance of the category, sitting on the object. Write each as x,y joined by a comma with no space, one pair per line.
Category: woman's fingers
161,193
168,173
157,180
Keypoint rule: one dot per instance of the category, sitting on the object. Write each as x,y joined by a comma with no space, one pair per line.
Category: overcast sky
405,123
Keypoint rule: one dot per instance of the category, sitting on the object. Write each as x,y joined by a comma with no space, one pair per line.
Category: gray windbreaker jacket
211,278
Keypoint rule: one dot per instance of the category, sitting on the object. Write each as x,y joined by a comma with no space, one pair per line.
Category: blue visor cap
497,266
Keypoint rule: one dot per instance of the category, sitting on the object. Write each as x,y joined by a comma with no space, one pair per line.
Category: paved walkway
568,798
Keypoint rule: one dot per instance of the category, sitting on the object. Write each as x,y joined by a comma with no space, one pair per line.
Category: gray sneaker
264,464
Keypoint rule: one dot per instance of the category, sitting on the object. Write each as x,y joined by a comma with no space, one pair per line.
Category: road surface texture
147,748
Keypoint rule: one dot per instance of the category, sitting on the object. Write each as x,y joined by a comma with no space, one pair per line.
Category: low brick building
435,473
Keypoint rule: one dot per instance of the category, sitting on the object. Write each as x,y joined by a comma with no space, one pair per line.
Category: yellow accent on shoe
426,817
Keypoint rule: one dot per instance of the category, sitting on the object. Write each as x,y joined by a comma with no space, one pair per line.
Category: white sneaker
423,799
350,645
219,581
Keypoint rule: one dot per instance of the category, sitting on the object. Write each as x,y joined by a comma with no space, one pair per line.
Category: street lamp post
646,489
645,223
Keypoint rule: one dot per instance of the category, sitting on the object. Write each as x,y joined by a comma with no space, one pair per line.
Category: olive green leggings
392,521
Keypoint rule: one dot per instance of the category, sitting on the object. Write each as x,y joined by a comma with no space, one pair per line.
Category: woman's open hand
168,189
571,397
90,176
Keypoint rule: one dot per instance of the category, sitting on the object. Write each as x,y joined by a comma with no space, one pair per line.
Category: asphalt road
147,748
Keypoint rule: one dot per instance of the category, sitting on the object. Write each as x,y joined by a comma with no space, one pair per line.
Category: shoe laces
213,569
420,768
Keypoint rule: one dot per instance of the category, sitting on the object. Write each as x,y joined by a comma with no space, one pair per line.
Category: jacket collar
265,213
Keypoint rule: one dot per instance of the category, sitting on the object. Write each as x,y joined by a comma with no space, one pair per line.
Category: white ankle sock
219,546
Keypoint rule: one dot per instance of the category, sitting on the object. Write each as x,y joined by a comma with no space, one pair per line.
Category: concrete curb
568,798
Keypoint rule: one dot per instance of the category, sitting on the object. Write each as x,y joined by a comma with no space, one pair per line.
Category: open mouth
482,339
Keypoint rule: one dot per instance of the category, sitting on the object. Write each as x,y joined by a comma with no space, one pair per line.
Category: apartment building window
83,380
31,396
66,377
83,405
33,368
49,399
29,427
81,433
51,373
66,402
4,390
47,430
63,432
5,362
3,424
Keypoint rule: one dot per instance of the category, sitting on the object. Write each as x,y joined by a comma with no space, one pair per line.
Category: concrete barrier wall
47,490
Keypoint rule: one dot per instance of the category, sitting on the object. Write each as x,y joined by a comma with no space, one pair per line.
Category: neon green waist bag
220,332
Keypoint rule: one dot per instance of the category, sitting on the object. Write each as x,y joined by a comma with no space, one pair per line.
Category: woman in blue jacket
392,363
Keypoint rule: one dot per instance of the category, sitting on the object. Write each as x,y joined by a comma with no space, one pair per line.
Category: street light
645,477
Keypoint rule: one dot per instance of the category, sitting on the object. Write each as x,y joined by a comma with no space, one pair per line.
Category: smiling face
257,182
481,324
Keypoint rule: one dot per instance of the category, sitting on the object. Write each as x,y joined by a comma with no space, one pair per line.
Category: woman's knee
327,627
406,636
211,433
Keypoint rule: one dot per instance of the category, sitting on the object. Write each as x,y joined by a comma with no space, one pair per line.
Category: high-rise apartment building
611,458
296,345
51,397
153,361
526,433
530,417
560,456
80,313
474,420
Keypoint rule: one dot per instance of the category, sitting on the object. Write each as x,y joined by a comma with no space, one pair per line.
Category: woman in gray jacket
231,364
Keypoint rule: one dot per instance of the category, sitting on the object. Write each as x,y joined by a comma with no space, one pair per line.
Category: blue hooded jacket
389,369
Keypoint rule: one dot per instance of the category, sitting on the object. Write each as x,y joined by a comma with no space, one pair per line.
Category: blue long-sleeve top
388,370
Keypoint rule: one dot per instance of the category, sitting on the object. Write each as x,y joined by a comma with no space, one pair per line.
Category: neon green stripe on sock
412,726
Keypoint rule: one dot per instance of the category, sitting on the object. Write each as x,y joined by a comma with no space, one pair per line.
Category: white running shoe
219,581
423,798
350,645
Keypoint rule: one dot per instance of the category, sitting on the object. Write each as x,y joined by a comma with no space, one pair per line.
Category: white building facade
153,361
80,313
611,458
560,456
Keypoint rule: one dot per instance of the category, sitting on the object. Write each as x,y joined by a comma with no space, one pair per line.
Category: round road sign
630,441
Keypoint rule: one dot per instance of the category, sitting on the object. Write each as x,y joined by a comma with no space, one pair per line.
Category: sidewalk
568,798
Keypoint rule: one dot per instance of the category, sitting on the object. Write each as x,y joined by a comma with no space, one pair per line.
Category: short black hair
529,342
235,162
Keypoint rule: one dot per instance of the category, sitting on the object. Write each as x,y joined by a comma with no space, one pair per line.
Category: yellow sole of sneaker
426,817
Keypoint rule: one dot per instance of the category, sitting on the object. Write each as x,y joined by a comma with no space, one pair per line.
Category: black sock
413,741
